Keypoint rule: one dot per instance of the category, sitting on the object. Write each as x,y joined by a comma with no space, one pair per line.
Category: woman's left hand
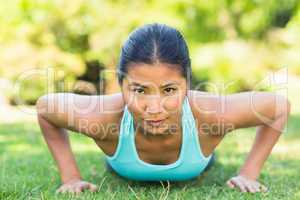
246,185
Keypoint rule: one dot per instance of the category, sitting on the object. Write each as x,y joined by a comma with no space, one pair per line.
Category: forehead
158,73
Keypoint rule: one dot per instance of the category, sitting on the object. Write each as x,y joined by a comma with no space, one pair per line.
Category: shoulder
204,105
113,105
238,110
113,102
209,115
91,115
107,117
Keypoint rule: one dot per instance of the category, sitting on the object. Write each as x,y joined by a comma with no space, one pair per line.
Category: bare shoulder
90,115
205,105
112,105
238,110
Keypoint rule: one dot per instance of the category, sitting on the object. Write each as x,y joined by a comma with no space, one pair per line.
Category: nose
154,105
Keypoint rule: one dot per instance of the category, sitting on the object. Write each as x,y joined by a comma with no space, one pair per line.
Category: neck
168,133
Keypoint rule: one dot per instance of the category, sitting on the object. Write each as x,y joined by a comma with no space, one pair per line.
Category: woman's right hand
76,187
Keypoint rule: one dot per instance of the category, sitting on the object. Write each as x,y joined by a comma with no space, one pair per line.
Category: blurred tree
68,35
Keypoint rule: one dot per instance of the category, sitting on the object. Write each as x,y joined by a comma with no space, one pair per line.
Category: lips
155,123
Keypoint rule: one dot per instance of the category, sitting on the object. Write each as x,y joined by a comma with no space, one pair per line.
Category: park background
243,44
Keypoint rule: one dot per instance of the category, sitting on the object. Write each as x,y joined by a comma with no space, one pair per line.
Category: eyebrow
165,85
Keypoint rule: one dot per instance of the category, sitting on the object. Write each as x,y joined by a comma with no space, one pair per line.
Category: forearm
59,145
266,138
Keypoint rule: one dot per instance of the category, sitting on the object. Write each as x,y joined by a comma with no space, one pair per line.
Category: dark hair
155,42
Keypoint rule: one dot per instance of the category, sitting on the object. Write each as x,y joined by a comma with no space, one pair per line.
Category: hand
246,185
76,186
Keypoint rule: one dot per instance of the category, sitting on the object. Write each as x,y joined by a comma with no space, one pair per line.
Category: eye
170,90
139,90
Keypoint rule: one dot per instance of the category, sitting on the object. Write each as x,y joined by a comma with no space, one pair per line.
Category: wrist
248,174
250,171
70,179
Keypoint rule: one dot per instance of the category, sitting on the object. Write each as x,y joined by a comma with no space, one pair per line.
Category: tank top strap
193,149
188,121
125,149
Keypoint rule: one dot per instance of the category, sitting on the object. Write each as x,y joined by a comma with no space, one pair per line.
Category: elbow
40,104
283,106
43,105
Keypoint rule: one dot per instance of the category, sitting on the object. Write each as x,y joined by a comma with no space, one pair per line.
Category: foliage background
236,42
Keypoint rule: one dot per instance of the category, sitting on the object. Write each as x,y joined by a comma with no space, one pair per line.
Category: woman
157,128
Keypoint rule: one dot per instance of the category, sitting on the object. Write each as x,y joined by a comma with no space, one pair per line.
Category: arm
58,143
60,111
269,113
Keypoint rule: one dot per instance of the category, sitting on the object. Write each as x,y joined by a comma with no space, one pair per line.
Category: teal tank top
190,164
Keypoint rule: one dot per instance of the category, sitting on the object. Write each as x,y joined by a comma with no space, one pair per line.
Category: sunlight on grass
2,138
28,171
285,148
21,148
84,148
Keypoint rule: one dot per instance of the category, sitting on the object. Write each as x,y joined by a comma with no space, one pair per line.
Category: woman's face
154,95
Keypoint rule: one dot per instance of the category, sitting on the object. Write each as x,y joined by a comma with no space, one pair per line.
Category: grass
27,170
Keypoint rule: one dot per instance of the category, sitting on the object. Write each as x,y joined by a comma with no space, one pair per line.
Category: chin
156,130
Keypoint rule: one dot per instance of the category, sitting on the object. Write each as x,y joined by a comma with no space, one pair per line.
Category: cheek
172,105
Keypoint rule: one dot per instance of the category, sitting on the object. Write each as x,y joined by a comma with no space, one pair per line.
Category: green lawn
27,170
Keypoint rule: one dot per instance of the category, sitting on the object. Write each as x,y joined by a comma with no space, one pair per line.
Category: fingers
251,187
239,183
58,191
246,185
63,189
77,188
89,186
93,188
263,188
255,186
231,185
